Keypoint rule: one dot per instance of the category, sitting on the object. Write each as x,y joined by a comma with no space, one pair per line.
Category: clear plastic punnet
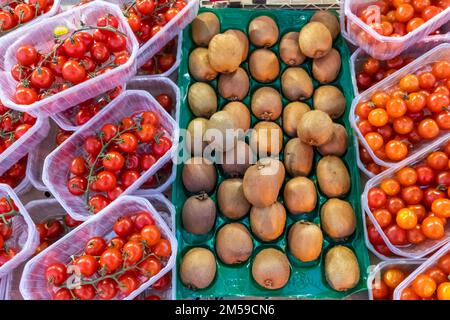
24,186
441,52
24,238
41,36
34,286
379,46
409,251
56,165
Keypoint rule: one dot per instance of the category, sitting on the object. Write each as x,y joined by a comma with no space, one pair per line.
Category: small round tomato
143,219
383,217
116,43
443,291
424,286
161,146
7,20
162,248
441,69
111,259
26,55
129,177
95,246
145,7
396,107
25,96
56,274
415,235
444,263
438,160
128,142
441,207
151,234
115,192
116,242
412,195
425,175
98,203
433,228
149,117
85,292
145,133
430,11
403,125
374,140
42,78
105,181
150,266
132,252
363,80
409,294
419,210
62,294
396,235
128,282
77,185
378,117
74,72
54,229
437,102
407,176
93,146
78,166
416,102
124,226
380,290
74,47
393,277
437,274
163,282
406,219
428,129
147,161
107,289
396,150
165,101
87,265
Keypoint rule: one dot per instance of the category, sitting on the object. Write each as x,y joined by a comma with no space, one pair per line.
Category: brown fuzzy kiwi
243,39
337,219
234,86
266,103
292,114
240,113
237,160
341,268
234,243
199,66
199,175
220,131
333,177
271,269
231,199
198,268
202,100
326,69
338,144
198,214
262,182
329,99
296,84
315,128
263,65
194,136
263,32
300,195
315,40
205,26
225,52
329,20
268,223
298,157
266,139
305,241
290,52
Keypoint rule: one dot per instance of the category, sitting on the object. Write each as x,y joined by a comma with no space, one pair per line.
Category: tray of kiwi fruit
276,212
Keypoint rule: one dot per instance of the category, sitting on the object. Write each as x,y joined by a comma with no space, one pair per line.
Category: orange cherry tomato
420,5
437,274
378,117
428,129
443,292
416,102
380,99
424,286
404,12
363,109
383,217
407,176
379,290
403,125
374,140
441,207
427,80
409,294
438,160
414,23
390,186
433,227
393,277
409,83
437,102
396,150
396,108
441,69
406,219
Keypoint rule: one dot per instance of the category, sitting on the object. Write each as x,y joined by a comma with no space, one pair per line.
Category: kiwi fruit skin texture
194,136
329,99
329,20
234,243
240,113
315,128
292,114
220,131
199,175
264,65
266,139
315,40
338,144
263,32
199,214
341,268
298,158
271,269
296,84
199,66
198,268
244,41
268,223
262,182
333,177
202,100
290,52
225,52
326,69
305,241
234,86
205,26
266,103
300,195
337,219
236,161
231,199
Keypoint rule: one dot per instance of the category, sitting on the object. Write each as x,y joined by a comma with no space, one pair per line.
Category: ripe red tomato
110,21
128,283
133,252
145,133
87,265
92,145
77,185
26,55
116,43
42,78
25,96
128,142
124,226
163,282
151,234
159,148
143,219
7,20
145,7
396,235
111,259
105,181
100,52
74,47
149,117
107,289
162,248
377,198
54,229
97,203
95,246
74,72
129,177
78,166
85,292
56,274
150,266
62,294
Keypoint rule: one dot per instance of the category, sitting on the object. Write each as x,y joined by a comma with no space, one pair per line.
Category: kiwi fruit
240,113
268,223
262,182
198,214
296,84
202,100
234,243
337,219
290,52
326,69
237,160
292,114
198,268
315,40
220,131
305,241
266,103
266,138
225,52
231,199
234,86
329,20
315,128
199,66
341,268
194,136
300,195
298,158
329,99
263,32
271,269
338,144
333,177
244,41
199,175
263,65
205,26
